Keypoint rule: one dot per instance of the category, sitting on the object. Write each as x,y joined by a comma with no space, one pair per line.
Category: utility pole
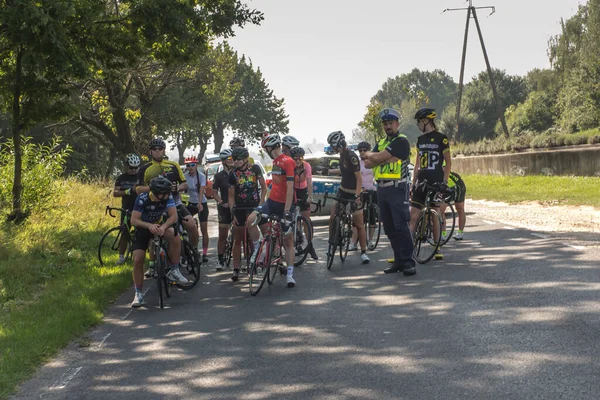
471,11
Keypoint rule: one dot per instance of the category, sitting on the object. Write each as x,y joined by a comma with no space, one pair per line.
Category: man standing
125,189
389,161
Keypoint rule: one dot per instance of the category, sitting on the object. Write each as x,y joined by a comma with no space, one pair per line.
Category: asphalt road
506,315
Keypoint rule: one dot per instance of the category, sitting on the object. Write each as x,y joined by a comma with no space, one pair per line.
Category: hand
174,187
443,187
128,191
357,201
325,171
161,230
154,229
235,221
200,208
287,216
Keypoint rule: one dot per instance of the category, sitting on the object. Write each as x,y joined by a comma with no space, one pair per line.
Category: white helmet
225,154
133,160
271,140
336,139
290,141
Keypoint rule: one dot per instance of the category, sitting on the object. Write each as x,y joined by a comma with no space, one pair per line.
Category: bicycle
342,224
372,220
160,264
449,203
425,239
269,255
110,242
189,260
247,245
303,233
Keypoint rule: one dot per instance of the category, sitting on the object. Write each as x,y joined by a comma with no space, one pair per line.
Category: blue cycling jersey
152,211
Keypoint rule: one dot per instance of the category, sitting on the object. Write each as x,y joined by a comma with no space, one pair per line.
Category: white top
367,177
193,188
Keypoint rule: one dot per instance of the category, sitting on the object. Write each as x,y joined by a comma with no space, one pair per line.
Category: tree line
108,75
564,98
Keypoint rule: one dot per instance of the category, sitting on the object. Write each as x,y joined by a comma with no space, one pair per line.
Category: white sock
290,270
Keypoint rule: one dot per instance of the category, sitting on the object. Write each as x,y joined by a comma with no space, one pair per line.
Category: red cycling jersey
282,172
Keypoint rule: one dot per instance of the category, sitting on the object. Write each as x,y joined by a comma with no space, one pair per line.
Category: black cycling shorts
224,215
302,198
460,192
418,198
241,213
182,212
142,238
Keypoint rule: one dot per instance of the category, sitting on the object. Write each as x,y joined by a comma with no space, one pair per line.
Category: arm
416,169
263,188
358,183
309,186
117,192
289,195
230,203
380,157
172,220
448,166
142,187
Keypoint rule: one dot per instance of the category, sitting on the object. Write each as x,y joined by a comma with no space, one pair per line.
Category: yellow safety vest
389,171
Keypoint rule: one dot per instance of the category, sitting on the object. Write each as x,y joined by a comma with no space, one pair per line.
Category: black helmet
426,113
297,152
157,142
364,146
160,185
239,153
237,141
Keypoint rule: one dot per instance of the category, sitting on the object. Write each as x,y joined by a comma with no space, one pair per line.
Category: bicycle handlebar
271,217
109,210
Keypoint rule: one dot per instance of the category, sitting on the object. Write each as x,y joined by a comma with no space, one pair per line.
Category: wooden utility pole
471,12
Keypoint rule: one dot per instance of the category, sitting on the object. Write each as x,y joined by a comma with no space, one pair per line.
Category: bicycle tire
189,265
255,281
372,242
425,244
449,234
108,248
302,252
248,251
333,241
346,238
228,249
273,268
160,275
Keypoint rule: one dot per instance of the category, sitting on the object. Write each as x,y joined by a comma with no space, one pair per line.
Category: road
509,314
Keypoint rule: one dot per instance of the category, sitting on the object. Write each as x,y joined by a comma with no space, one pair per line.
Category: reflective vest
391,170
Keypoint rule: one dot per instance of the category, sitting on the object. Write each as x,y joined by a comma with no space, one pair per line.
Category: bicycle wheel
189,265
248,251
334,239
160,276
303,234
259,268
450,223
108,249
273,265
373,230
425,242
346,238
228,249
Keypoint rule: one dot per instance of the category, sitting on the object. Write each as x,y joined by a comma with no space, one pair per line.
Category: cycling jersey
245,183
301,174
282,173
221,183
152,210
431,148
124,182
367,177
168,169
194,182
349,164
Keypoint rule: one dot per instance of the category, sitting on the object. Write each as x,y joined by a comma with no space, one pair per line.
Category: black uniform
431,148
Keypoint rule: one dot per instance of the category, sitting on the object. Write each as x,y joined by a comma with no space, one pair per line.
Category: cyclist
239,142
303,187
368,188
170,170
244,192
196,182
350,186
389,161
433,149
287,142
458,196
279,202
147,217
125,188
221,196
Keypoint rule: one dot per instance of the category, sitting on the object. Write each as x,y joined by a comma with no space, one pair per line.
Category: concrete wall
576,160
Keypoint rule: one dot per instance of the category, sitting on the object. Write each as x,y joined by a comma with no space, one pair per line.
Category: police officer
389,161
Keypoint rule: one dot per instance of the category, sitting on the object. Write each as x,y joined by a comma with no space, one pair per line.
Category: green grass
51,288
562,190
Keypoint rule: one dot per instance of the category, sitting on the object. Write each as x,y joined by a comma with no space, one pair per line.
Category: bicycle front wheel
108,249
346,238
426,241
450,223
373,226
257,275
228,249
334,239
303,235
160,276
189,265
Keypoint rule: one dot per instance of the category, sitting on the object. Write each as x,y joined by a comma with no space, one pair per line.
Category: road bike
269,255
428,233
108,248
340,230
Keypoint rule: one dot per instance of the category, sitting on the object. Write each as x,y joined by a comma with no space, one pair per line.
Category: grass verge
51,287
561,190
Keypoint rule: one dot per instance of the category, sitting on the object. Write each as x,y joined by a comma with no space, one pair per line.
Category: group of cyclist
152,193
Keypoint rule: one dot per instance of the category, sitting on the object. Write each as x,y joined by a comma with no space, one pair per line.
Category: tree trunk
17,212
111,164
180,147
203,143
218,135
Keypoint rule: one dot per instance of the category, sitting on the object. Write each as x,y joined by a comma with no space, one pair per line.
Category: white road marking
575,247
540,235
65,378
104,339
488,222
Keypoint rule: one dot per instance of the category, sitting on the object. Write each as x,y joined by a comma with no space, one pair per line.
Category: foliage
43,166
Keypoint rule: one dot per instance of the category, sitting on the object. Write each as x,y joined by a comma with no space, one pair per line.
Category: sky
327,58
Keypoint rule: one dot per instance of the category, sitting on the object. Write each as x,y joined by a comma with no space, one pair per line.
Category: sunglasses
362,150
190,165
134,167
156,148
298,158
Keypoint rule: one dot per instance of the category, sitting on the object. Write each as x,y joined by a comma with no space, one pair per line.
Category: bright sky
327,58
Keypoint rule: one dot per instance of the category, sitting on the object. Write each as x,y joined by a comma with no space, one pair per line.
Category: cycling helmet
191,159
239,153
426,113
157,142
237,141
336,139
364,146
297,152
225,154
160,185
290,141
133,160
271,140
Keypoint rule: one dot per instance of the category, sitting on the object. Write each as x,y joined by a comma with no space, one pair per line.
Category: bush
43,165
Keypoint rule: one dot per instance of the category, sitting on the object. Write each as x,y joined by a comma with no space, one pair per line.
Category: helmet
364,146
297,152
290,141
133,160
336,139
160,185
424,113
157,142
271,140
239,153
225,154
237,141
191,159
